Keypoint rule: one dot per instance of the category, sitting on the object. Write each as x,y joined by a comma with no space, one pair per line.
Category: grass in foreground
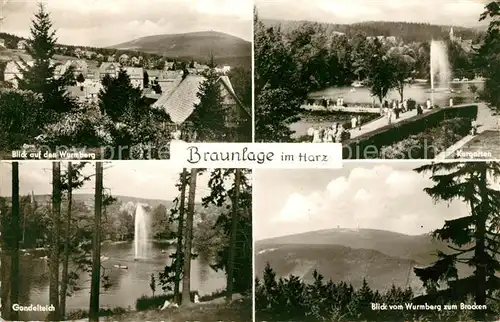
237,311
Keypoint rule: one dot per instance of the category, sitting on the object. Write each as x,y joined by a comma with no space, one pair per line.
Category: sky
109,22
141,179
360,195
442,12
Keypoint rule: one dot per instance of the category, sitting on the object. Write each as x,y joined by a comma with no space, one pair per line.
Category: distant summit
194,45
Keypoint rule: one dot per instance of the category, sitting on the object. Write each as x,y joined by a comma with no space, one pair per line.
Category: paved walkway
380,122
486,121
347,109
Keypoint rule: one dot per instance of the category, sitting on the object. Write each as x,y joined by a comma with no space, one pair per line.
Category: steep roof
106,65
179,100
13,68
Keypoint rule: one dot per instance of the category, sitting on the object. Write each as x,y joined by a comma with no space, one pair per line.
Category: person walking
359,122
354,120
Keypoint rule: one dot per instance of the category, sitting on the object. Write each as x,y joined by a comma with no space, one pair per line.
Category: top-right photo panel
415,79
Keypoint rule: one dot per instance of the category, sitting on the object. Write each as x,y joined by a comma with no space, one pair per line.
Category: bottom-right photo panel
395,241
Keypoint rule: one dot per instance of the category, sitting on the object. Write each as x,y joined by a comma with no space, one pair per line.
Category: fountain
440,66
141,233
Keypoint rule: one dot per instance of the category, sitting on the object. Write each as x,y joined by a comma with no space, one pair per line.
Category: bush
21,118
153,302
290,299
77,130
389,134
431,142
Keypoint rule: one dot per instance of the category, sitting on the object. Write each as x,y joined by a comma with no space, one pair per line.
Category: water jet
141,233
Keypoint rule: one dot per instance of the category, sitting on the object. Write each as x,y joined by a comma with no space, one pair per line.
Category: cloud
460,12
376,197
109,22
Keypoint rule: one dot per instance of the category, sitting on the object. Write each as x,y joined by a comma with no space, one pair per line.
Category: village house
223,70
78,52
93,74
110,69
12,71
153,75
89,54
79,67
21,44
100,57
167,79
136,75
111,58
123,59
2,43
85,93
201,68
134,61
169,65
179,102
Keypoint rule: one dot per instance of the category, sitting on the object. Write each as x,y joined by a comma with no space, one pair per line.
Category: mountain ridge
199,45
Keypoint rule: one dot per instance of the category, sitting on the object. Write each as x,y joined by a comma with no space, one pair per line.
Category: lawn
238,311
486,142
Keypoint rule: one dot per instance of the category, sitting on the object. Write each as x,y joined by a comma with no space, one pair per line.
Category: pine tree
489,55
40,77
474,238
55,241
208,117
220,196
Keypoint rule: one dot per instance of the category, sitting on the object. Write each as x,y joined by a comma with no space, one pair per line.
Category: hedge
368,145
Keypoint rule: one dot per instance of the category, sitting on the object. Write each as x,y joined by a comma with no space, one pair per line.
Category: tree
72,179
146,79
238,244
40,77
80,78
489,55
96,247
14,243
186,278
233,234
208,117
180,230
403,66
278,96
381,76
475,237
55,241
152,284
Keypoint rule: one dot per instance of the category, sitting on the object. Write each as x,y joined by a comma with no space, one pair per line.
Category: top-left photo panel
122,79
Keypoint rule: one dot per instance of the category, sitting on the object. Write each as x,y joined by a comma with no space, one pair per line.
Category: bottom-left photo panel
124,241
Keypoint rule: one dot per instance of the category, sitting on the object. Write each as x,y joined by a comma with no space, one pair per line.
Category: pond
127,284
419,92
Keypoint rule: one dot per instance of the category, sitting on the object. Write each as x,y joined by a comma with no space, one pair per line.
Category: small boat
104,258
120,266
163,251
357,84
353,90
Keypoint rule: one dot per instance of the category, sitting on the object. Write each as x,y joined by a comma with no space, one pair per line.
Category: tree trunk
54,247
5,271
64,278
480,255
14,247
180,231
96,248
234,231
186,277
401,90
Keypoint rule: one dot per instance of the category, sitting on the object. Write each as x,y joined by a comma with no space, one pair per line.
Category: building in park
179,100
